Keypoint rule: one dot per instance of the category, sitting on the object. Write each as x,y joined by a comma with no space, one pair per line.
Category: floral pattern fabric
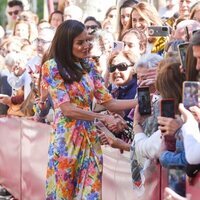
75,157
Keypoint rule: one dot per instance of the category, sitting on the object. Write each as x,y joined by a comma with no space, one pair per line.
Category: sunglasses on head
120,67
16,12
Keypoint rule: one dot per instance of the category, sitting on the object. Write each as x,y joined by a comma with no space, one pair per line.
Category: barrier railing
23,157
23,162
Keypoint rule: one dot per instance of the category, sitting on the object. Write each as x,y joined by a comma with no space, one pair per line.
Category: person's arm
119,144
116,105
191,139
72,111
149,147
191,136
5,99
114,142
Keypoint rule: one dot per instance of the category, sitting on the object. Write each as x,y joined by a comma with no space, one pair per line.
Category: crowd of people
82,76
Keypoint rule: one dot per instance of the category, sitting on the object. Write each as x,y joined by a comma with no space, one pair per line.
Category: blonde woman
144,15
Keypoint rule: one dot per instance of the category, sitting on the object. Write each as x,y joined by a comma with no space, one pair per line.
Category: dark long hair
191,62
170,80
61,51
126,4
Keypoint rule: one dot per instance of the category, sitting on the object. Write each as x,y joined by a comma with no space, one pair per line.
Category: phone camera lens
164,29
151,31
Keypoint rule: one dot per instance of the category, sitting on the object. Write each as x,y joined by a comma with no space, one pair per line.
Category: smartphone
167,108
103,128
158,31
118,46
191,93
177,179
144,100
182,50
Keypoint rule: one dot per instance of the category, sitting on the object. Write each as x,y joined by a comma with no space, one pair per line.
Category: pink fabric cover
193,187
117,182
23,153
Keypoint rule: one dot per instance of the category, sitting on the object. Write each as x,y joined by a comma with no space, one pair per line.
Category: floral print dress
75,158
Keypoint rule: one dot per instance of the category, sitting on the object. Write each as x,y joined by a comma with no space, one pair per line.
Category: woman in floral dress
75,159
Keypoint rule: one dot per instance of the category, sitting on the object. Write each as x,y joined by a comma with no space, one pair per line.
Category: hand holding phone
144,100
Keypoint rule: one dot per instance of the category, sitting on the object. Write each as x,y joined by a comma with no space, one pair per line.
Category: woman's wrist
137,127
100,117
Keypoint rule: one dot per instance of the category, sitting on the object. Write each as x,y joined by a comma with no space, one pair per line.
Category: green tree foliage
40,6
2,12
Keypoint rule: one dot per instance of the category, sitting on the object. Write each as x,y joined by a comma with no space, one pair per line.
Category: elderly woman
123,76
124,84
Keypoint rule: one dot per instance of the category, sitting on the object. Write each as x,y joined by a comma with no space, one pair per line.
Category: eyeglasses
120,67
91,27
15,12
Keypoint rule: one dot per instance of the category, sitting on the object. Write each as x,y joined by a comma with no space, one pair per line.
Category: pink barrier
10,159
153,182
23,157
23,162
117,182
164,181
193,187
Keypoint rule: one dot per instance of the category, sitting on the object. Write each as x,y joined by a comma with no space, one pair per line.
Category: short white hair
150,60
75,12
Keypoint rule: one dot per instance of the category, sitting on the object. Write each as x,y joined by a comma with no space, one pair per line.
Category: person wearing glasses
91,24
14,8
123,80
